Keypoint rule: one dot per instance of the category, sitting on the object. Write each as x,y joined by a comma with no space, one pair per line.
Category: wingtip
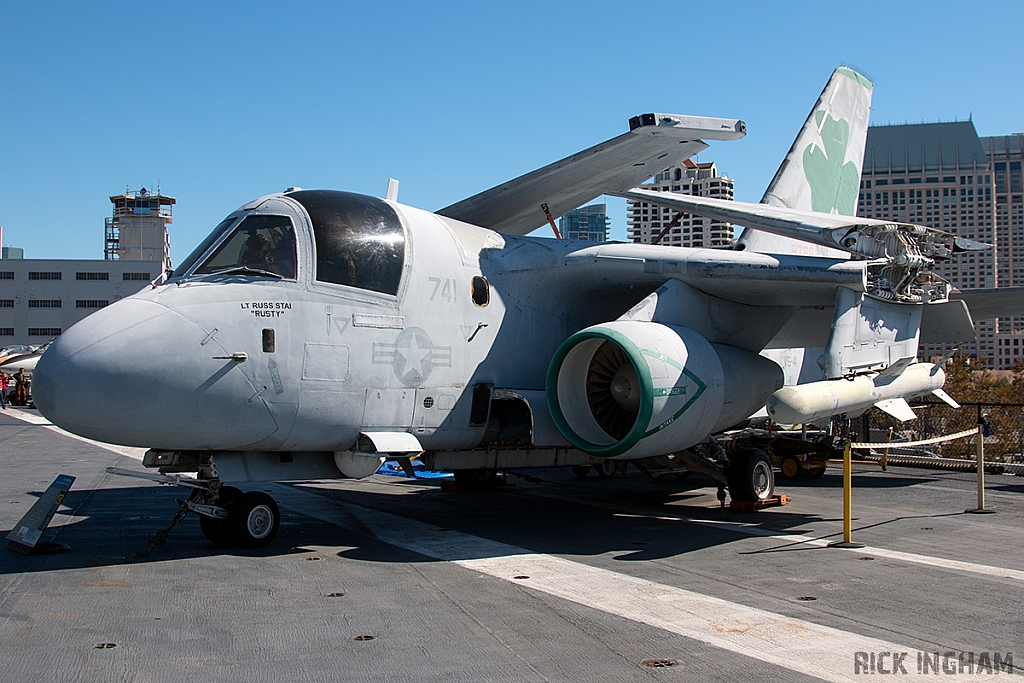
964,244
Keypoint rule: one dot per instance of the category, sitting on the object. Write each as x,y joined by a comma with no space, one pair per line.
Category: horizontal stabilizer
945,398
898,408
654,142
946,321
868,237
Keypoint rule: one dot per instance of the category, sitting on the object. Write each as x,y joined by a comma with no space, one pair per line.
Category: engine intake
632,389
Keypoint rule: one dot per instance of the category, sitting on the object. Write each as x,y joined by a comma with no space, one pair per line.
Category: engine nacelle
631,389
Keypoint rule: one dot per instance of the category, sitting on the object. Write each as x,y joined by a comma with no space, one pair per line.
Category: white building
40,298
646,221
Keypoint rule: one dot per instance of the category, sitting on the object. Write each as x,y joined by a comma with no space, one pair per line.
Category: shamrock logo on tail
833,184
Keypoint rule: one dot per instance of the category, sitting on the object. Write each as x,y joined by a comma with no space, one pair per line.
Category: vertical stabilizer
821,172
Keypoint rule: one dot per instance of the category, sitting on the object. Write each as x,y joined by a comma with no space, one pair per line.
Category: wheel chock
778,500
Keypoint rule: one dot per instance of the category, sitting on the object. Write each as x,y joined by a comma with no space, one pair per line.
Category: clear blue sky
225,101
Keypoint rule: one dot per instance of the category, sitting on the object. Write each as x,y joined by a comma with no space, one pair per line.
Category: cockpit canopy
359,242
359,239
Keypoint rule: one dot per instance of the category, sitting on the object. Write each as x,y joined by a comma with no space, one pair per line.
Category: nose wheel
256,519
217,530
252,522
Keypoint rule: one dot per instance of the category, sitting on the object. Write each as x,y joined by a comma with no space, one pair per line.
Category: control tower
137,231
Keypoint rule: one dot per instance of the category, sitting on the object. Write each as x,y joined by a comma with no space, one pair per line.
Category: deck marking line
914,558
40,421
795,644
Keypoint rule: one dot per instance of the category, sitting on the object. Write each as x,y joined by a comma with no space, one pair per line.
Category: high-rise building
137,230
647,221
587,224
1005,157
943,175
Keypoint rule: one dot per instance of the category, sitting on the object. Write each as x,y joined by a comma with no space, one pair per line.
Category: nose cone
135,373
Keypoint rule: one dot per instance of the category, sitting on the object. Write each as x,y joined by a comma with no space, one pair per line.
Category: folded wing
654,142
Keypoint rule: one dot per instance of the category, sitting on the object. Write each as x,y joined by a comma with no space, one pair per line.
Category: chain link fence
1004,440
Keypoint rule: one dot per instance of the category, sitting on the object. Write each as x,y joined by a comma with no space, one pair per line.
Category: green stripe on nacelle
635,356
648,392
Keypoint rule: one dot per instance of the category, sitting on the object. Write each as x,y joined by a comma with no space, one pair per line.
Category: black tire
215,530
229,495
480,479
816,472
218,531
790,467
606,468
254,520
581,470
750,476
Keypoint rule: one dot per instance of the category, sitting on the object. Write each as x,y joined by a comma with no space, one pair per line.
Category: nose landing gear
241,520
227,516
252,519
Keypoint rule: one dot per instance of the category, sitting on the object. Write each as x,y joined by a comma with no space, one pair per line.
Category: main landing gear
746,472
227,516
750,475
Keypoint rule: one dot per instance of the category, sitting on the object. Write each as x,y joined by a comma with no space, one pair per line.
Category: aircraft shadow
887,480
634,519
1008,488
114,523
631,518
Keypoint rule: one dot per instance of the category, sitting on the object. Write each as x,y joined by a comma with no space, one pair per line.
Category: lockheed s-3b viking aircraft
315,334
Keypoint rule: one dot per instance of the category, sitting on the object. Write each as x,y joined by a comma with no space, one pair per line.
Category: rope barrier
908,444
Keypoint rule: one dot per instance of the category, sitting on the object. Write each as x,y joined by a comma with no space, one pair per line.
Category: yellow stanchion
847,541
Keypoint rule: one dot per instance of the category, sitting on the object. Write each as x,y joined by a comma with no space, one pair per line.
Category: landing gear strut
216,530
606,468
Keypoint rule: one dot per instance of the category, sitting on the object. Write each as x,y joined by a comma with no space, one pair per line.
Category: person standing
4,384
20,388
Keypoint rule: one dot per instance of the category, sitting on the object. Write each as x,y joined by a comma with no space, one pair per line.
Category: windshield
198,252
260,244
